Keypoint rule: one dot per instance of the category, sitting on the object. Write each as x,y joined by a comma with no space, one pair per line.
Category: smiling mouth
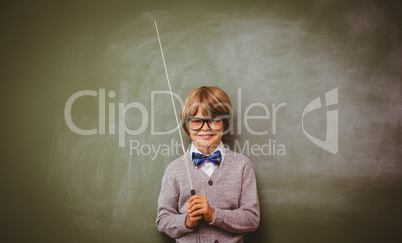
206,136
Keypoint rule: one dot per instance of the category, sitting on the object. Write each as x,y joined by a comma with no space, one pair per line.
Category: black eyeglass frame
204,120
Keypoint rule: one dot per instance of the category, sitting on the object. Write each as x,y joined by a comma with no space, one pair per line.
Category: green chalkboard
87,125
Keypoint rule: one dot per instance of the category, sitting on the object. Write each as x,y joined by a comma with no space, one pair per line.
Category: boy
226,204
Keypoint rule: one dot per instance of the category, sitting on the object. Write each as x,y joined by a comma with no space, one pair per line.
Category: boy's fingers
194,213
193,203
200,199
193,208
197,201
198,207
196,196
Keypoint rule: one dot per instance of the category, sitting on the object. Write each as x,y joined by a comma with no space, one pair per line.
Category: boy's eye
196,121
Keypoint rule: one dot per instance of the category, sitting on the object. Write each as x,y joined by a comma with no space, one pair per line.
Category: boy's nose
205,126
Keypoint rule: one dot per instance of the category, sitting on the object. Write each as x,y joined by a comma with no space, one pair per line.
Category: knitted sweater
231,192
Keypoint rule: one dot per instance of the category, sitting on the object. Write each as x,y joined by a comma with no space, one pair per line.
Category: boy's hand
191,222
198,208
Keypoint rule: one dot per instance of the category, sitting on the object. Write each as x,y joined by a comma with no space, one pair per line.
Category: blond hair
212,101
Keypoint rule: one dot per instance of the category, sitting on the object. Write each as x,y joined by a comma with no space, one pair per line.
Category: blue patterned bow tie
215,157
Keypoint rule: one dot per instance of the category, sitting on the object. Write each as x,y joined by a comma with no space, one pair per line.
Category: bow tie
215,157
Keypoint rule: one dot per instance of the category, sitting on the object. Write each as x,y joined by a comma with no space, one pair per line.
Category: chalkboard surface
87,127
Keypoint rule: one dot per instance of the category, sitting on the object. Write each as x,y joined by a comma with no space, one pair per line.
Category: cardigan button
217,241
210,183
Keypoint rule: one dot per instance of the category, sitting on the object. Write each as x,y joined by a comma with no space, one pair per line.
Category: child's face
205,139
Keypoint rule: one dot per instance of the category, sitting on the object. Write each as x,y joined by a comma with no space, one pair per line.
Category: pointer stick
175,112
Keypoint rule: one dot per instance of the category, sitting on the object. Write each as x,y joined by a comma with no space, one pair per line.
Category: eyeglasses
196,123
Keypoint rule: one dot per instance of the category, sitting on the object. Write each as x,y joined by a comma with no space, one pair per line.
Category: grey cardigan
231,192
